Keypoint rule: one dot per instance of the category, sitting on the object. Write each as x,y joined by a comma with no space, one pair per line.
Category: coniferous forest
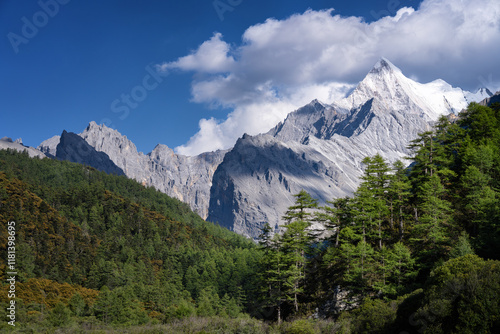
414,250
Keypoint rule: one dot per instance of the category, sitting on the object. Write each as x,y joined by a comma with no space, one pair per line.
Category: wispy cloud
284,64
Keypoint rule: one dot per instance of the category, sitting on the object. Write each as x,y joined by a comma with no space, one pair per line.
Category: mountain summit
318,148
186,178
74,148
386,83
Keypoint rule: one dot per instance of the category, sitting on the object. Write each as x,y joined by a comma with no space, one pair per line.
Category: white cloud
257,116
211,57
284,64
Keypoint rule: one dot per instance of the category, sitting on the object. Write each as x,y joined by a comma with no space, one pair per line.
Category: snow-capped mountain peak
481,94
384,65
318,147
387,84
385,81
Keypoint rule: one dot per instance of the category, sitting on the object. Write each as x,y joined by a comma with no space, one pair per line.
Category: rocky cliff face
491,100
186,178
256,181
119,149
319,148
49,146
74,148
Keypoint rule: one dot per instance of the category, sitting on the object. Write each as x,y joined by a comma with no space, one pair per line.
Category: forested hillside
415,250
104,246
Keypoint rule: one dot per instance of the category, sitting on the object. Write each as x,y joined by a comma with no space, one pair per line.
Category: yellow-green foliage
59,247
48,293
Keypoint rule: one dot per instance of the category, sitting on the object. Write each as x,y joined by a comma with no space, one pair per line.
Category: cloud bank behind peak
283,64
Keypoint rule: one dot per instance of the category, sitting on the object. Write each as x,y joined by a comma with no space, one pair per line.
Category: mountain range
318,148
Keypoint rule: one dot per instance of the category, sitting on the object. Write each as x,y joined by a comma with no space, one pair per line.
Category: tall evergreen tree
301,209
335,216
432,231
296,241
423,148
272,270
398,194
371,208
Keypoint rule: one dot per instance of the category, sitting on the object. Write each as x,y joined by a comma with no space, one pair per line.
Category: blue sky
189,75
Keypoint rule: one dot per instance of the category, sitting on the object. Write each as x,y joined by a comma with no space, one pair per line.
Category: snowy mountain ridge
387,82
320,147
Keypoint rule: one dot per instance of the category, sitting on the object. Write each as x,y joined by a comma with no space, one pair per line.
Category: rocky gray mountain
319,147
74,148
119,149
8,143
49,146
255,182
492,99
186,178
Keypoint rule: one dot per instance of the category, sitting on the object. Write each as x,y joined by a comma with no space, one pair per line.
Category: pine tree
398,194
371,200
77,304
481,122
359,274
272,270
431,156
296,241
59,316
301,209
335,216
424,153
376,174
462,247
401,267
192,281
208,302
435,222
478,199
